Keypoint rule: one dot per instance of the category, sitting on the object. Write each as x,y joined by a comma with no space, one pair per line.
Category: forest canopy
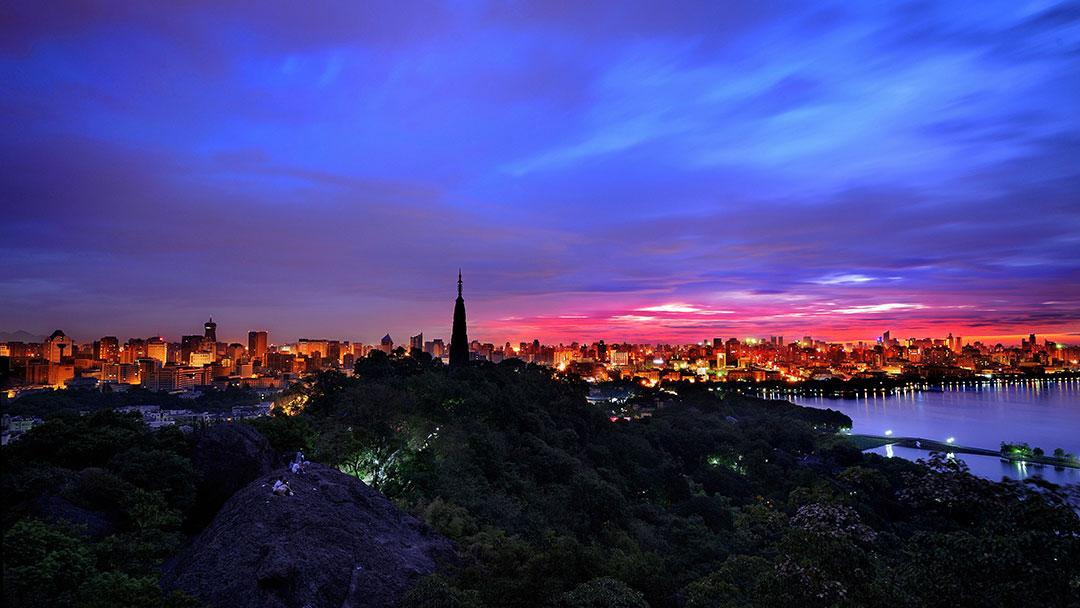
709,500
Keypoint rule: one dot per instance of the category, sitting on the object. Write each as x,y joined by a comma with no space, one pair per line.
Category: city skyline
662,173
243,336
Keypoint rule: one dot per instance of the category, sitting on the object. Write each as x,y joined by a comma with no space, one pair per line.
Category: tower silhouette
459,338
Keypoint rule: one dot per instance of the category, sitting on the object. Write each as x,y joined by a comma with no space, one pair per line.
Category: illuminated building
436,348
56,347
49,373
416,342
312,347
564,357
107,349
147,367
257,346
192,344
176,377
200,358
386,344
157,348
210,331
335,350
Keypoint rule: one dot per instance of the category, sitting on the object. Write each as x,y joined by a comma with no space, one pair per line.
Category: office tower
157,348
57,346
210,332
107,349
416,342
188,345
257,345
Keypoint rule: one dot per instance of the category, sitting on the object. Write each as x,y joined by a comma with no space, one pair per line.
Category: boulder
227,458
334,543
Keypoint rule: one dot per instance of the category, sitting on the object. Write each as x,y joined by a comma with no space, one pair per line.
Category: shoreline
854,389
866,442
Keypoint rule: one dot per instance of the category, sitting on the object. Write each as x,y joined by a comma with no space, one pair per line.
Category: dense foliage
91,507
75,401
714,500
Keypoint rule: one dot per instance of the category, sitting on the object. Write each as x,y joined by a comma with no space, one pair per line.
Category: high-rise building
436,348
257,345
416,342
158,348
459,339
188,345
57,346
107,349
311,346
235,351
210,332
386,344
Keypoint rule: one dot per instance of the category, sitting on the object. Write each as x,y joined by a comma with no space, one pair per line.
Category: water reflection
1040,413
988,467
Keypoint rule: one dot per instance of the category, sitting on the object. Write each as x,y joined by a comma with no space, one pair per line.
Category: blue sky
623,170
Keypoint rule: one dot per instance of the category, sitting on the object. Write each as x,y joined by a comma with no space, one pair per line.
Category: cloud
866,309
684,308
845,279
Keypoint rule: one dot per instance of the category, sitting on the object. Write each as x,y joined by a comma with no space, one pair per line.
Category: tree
44,565
603,593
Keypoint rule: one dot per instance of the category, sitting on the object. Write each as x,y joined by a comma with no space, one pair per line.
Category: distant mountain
20,336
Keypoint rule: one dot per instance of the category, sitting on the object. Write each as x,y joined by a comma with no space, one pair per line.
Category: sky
642,171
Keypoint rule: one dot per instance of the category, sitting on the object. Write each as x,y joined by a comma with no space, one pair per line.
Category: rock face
227,457
334,543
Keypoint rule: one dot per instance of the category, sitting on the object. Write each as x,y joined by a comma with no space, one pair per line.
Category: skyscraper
157,348
459,339
59,345
210,332
107,349
257,345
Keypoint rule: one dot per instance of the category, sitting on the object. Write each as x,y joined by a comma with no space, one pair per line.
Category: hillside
334,542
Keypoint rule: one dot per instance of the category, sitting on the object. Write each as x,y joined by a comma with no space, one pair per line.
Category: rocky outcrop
334,543
227,458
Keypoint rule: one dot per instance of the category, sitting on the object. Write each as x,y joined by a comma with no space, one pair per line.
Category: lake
1041,413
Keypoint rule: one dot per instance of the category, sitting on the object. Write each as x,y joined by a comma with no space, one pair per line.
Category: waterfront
990,467
1041,413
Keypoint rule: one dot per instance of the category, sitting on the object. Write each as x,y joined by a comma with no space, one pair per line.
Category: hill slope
336,542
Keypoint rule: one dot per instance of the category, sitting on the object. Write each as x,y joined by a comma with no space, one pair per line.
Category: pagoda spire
459,338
